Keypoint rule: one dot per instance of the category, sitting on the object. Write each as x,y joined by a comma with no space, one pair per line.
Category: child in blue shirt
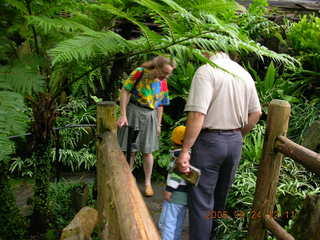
175,196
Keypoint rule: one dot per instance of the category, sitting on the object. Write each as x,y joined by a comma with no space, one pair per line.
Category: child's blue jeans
171,220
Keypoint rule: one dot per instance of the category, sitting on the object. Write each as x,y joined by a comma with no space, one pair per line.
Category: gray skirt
145,121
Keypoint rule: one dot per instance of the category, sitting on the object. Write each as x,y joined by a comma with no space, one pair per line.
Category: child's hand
167,195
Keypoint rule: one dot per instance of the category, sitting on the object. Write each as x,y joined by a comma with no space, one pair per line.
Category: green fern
206,31
49,24
85,46
13,120
22,77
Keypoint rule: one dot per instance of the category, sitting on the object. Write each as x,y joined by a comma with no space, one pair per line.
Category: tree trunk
44,115
40,215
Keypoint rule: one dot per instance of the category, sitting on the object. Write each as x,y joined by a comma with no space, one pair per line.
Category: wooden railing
122,213
276,144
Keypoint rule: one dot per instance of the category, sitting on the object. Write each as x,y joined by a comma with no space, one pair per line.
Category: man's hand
183,162
123,121
167,195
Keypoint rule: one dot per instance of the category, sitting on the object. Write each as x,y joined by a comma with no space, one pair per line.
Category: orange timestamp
254,214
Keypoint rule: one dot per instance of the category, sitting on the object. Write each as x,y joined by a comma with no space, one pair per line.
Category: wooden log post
81,226
122,211
269,169
309,159
107,216
307,222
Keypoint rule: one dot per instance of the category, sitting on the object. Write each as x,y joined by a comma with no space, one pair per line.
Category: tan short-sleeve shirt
226,99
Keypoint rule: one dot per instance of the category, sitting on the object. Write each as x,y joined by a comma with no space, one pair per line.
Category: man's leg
207,154
147,167
226,177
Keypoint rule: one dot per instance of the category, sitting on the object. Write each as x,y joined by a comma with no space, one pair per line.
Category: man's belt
220,130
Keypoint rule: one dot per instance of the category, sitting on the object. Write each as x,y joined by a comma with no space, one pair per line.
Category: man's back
226,98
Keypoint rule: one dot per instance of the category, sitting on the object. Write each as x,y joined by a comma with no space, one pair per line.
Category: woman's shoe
148,192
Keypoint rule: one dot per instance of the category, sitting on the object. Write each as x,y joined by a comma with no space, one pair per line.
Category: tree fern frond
151,36
22,78
6,147
180,51
156,7
218,25
186,14
48,24
13,120
216,7
85,46
84,19
19,5
261,51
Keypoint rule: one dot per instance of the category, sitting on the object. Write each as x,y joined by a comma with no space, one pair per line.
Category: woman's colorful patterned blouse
148,92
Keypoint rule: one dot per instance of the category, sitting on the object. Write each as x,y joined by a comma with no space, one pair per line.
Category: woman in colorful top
142,98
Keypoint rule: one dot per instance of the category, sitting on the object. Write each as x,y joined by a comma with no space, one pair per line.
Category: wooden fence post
269,169
107,216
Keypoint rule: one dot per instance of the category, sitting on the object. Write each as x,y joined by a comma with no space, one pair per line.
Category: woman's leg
147,167
132,159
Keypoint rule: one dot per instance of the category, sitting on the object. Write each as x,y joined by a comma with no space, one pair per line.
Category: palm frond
58,24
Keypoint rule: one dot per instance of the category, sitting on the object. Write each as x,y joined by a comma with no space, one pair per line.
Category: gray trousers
217,154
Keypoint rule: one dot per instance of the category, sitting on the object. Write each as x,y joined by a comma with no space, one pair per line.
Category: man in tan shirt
222,107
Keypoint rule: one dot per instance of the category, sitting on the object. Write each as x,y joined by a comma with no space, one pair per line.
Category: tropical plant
303,114
254,21
76,144
303,37
274,86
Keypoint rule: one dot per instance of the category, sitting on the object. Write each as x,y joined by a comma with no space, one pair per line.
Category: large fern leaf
48,24
13,120
85,46
22,77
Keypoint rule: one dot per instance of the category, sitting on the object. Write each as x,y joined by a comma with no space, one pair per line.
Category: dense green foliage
13,226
